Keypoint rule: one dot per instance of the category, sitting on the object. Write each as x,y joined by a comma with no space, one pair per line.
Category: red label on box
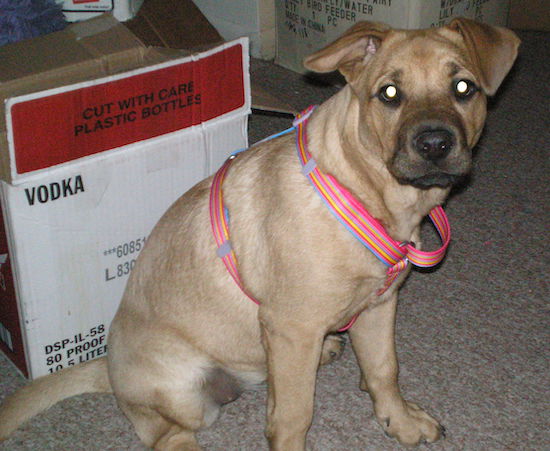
63,127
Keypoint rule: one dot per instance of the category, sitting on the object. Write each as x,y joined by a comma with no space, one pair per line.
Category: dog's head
422,93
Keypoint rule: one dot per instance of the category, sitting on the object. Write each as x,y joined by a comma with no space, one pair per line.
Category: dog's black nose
434,144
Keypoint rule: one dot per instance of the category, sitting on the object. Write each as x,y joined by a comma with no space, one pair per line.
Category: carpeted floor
473,336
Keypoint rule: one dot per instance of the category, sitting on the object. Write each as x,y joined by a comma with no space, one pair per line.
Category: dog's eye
464,89
390,94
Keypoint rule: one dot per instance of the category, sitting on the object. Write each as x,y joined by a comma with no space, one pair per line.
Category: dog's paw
412,426
333,347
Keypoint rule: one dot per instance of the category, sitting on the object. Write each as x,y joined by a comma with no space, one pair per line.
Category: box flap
176,24
61,51
162,31
263,100
179,24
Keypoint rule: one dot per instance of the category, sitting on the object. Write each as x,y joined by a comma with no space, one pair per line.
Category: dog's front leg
373,341
293,355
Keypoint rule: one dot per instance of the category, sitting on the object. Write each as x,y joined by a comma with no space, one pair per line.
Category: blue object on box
25,19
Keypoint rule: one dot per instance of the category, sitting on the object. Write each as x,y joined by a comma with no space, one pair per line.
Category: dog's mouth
436,179
425,175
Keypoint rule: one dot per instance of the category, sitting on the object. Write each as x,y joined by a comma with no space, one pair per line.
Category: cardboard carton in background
99,134
305,27
252,18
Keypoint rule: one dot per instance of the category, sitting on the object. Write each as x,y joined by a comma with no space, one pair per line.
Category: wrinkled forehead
423,55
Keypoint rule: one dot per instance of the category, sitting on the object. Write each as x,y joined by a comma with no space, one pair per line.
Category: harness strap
360,223
220,227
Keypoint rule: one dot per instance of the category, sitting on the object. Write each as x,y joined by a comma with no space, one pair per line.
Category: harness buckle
406,243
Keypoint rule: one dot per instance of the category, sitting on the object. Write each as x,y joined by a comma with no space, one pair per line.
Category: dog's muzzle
431,153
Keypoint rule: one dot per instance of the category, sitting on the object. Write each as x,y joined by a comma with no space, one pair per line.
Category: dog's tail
44,392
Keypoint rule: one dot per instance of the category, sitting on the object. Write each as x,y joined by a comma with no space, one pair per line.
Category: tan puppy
186,339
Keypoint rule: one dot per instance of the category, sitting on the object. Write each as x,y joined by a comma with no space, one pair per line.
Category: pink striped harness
349,212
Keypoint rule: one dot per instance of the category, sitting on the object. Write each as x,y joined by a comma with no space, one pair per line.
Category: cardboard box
99,134
305,26
77,10
252,18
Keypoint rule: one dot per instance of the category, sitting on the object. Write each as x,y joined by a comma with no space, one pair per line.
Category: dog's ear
493,50
351,51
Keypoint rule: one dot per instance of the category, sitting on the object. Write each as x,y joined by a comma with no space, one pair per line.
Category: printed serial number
121,270
125,249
